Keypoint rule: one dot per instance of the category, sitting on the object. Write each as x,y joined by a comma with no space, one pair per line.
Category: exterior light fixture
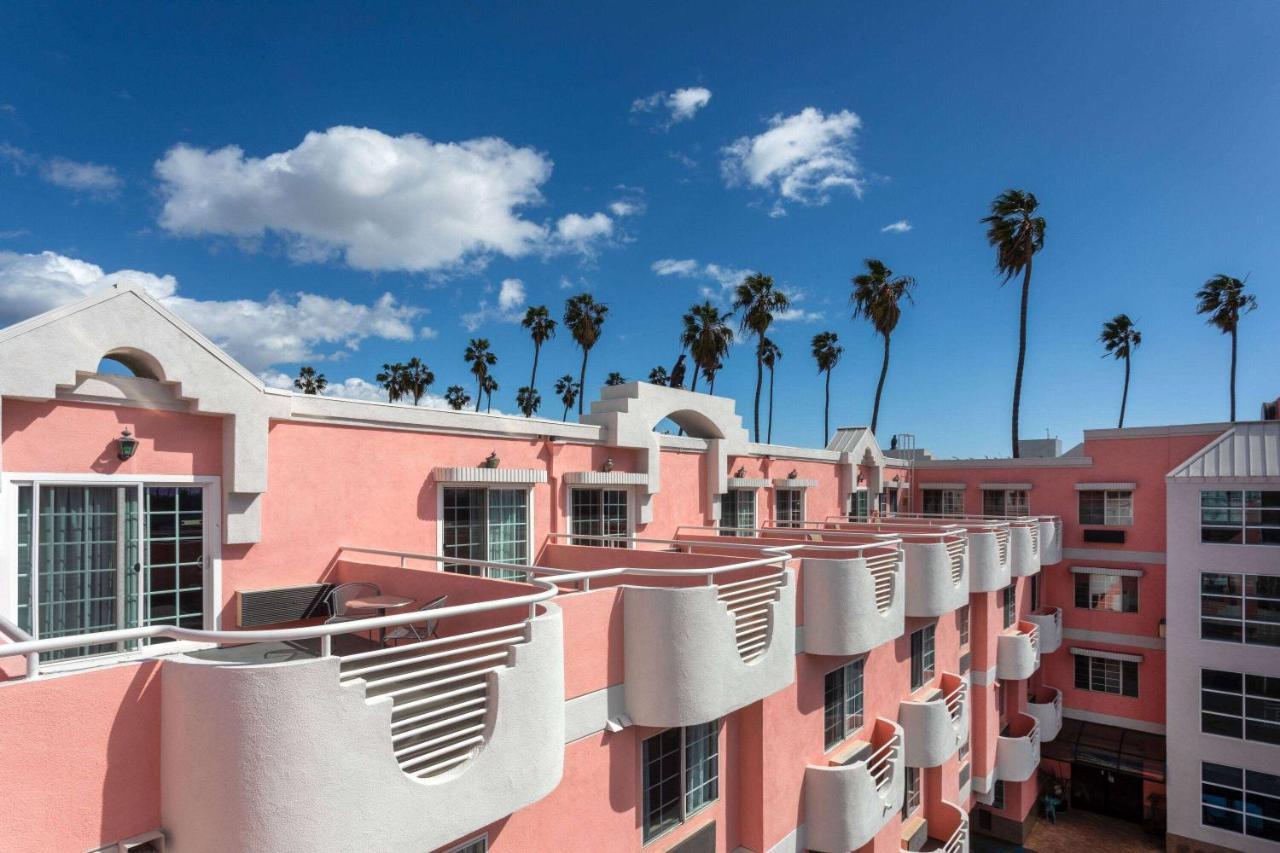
126,445
1162,629
862,478
792,475
491,461
740,473
608,465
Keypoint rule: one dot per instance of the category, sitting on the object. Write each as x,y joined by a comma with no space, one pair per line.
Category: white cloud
352,388
376,201
803,158
724,278
902,226
428,334
510,307
680,105
670,266
511,295
92,178
580,232
285,328
626,207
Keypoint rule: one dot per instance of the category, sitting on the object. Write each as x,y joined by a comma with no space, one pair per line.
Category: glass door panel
174,546
80,555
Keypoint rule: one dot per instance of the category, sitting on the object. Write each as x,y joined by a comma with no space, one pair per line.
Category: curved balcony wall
852,606
1024,548
935,724
288,756
1049,621
936,575
1045,704
1018,652
1050,540
988,560
948,829
851,799
686,655
1018,750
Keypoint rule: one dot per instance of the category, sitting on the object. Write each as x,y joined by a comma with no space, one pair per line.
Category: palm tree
658,376
827,352
759,301
480,359
567,391
416,379
584,317
877,296
1016,235
771,355
707,335
710,372
392,378
310,382
1224,300
457,397
528,399
541,328
615,378
488,386
1120,338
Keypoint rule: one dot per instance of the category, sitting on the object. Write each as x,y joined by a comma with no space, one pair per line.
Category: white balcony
936,572
853,605
1050,540
936,723
1049,621
989,568
1024,547
1018,652
946,829
1018,749
856,794
1045,704
697,653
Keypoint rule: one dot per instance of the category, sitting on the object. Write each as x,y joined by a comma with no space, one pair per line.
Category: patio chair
415,631
341,594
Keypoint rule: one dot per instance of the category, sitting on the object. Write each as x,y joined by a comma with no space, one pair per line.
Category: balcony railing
1045,704
856,794
1049,621
1018,652
1050,539
1018,749
936,559
936,723
1026,536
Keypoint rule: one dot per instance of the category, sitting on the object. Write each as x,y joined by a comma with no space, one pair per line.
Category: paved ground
1077,832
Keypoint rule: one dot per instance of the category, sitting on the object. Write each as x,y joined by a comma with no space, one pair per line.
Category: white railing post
326,645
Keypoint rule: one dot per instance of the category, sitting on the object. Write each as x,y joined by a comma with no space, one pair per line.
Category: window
962,623
488,525
681,775
1034,603
889,499
599,516
1106,675
789,507
921,657
478,845
737,512
859,505
942,501
1240,608
1009,604
1240,518
1243,801
1116,593
1240,705
842,703
1005,502
997,796
911,796
1106,507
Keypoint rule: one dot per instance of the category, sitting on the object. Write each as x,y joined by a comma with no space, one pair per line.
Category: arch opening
127,361
695,424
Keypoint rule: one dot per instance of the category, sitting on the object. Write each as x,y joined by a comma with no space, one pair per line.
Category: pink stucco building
268,621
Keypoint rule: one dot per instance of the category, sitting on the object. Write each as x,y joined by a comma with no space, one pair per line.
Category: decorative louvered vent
259,607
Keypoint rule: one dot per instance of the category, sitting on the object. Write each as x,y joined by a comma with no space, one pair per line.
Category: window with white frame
599,517
788,507
738,512
681,775
1240,705
859,505
942,501
964,769
1005,502
842,703
1114,593
922,662
1237,608
1106,507
1236,799
1106,675
1240,517
911,793
487,525
962,623
1009,604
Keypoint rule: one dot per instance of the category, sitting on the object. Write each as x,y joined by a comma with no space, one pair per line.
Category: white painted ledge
606,478
794,483
748,483
509,476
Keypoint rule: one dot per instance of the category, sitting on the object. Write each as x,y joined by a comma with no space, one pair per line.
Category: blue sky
1148,130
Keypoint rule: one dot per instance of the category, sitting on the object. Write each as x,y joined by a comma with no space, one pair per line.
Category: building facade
235,618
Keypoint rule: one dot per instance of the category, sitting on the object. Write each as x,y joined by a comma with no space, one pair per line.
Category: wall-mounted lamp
608,465
897,478
1162,629
126,445
792,474
862,478
490,461
740,473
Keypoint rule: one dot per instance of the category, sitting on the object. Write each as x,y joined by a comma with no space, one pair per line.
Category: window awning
1102,653
1017,487
749,483
1109,747
942,485
606,478
487,476
1097,570
1106,487
794,483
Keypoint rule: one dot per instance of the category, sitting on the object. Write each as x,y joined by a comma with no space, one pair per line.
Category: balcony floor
1076,830
280,652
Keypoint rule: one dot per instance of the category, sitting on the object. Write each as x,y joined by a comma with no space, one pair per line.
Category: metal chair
413,631
341,594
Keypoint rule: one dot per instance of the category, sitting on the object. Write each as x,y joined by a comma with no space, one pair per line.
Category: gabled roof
857,442
1246,451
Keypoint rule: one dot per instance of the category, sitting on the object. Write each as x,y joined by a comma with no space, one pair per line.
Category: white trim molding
1112,720
1094,570
517,476
1105,655
794,483
992,487
1105,487
605,478
747,483
942,486
1136,641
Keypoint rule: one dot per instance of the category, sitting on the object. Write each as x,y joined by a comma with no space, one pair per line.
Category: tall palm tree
457,397
710,372
1224,300
658,376
528,399
480,359
416,379
392,379
542,328
771,354
826,352
310,382
489,385
1017,235
567,391
584,317
707,335
615,378
1120,338
759,302
877,297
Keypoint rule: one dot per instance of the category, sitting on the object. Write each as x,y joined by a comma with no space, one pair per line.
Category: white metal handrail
959,839
955,553
881,762
955,701
879,540
908,532
16,634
